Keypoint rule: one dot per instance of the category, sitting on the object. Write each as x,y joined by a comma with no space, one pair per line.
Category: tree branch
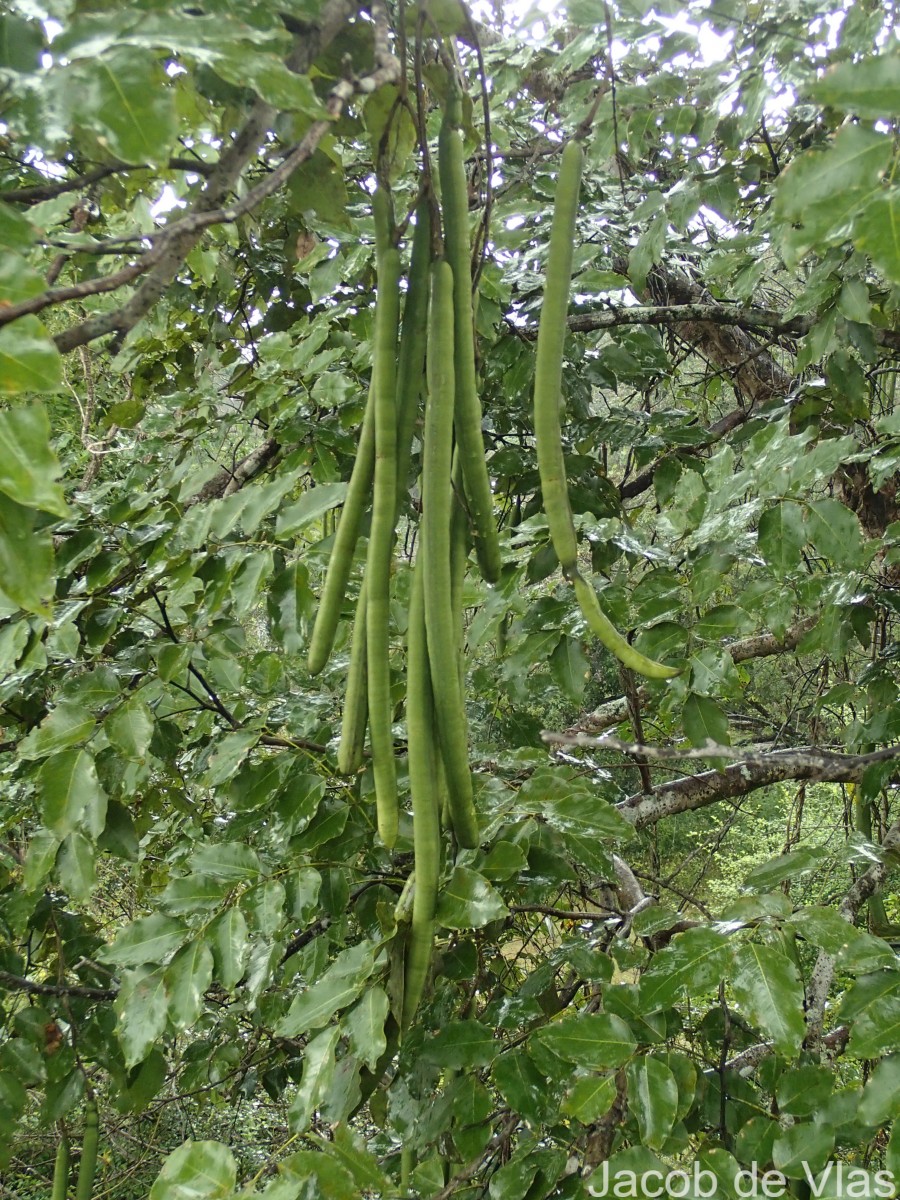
753,771
230,480
49,191
18,983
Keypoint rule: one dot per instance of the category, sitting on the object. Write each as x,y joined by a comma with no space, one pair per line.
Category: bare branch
77,291
755,771
18,983
48,191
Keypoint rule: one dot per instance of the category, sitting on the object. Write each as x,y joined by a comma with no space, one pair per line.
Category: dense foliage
671,945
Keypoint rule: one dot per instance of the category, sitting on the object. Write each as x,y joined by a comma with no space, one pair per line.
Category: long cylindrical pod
413,335
381,546
61,1168
84,1188
340,563
459,552
358,495
437,498
424,788
455,205
356,697
547,429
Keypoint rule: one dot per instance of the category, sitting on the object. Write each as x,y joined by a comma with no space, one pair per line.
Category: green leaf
29,361
318,1072
146,940
881,1096
141,1009
694,961
229,938
289,596
876,232
590,1097
834,531
340,985
782,536
821,192
28,467
767,987
230,752
75,866
595,1041
792,865
468,901
193,894
364,1024
71,795
570,667
321,1175
197,1171
187,977
652,1099
522,1086
585,815
232,862
647,252
802,1150
724,620
391,130
841,175
126,98
130,729
126,414
26,558
876,1028
312,505
804,1090
461,1045
270,79
172,661
42,850
348,1148
704,722
868,88
63,726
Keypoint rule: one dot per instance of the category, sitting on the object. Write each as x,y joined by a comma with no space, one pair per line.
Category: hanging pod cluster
431,351
547,404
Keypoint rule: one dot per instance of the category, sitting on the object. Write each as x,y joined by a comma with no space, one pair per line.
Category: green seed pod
547,430
437,499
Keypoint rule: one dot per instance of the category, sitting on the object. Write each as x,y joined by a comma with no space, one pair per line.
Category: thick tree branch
754,771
